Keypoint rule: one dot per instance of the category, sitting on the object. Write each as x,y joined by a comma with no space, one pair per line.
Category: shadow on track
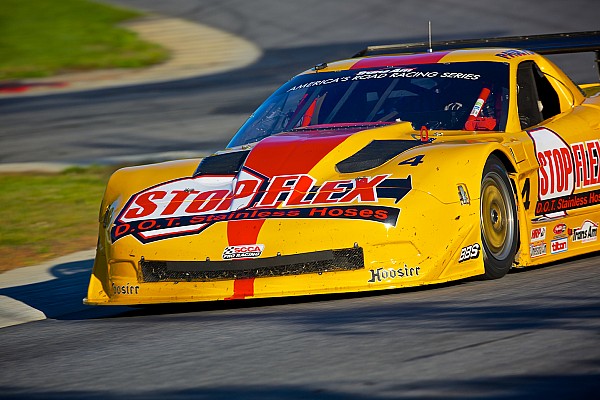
58,298
61,299
511,387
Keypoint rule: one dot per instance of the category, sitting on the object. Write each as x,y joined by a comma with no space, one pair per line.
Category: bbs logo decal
470,252
243,251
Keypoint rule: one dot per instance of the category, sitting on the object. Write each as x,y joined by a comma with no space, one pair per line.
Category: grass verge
49,215
44,37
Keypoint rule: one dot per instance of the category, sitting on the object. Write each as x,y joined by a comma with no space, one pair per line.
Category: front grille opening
297,264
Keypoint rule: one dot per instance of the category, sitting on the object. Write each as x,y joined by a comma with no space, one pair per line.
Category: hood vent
222,164
376,153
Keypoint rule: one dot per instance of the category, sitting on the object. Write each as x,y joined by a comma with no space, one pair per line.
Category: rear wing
558,43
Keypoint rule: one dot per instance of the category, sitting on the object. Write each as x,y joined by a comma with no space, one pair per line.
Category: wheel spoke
499,225
496,217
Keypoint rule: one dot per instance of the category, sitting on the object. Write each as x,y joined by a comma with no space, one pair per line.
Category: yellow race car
405,165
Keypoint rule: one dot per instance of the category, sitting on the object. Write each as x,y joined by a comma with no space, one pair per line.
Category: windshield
452,96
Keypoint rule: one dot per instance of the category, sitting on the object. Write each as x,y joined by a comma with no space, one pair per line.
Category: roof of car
499,49
399,60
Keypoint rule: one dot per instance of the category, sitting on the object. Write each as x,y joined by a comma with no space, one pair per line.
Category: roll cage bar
557,43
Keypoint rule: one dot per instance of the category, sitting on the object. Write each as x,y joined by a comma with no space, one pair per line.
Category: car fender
126,182
447,165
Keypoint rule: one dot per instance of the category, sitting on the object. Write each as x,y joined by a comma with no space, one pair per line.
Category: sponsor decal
375,62
587,232
243,251
563,169
537,249
470,252
538,233
411,72
559,245
384,274
405,72
555,174
559,229
125,289
571,202
508,54
190,205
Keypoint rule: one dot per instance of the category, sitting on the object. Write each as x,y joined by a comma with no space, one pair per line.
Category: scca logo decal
243,251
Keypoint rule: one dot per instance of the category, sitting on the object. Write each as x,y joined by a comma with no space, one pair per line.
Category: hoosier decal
190,205
383,274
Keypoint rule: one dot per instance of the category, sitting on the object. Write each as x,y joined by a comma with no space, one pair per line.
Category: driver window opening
537,100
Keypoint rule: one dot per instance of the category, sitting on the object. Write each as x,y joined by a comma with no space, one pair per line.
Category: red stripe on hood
243,232
290,153
398,61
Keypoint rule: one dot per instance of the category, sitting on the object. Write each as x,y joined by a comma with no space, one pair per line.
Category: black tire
499,223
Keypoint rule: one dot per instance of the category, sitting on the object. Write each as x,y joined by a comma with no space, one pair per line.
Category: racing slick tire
499,224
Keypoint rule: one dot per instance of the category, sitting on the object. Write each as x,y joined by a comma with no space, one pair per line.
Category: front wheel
499,225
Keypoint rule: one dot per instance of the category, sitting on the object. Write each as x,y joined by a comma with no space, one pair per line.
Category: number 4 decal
414,161
525,194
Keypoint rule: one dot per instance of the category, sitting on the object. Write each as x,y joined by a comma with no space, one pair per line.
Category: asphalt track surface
202,114
535,334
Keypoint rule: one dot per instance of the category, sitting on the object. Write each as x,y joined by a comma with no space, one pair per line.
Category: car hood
300,151
290,171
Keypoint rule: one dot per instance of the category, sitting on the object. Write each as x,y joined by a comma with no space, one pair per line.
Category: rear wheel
499,225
